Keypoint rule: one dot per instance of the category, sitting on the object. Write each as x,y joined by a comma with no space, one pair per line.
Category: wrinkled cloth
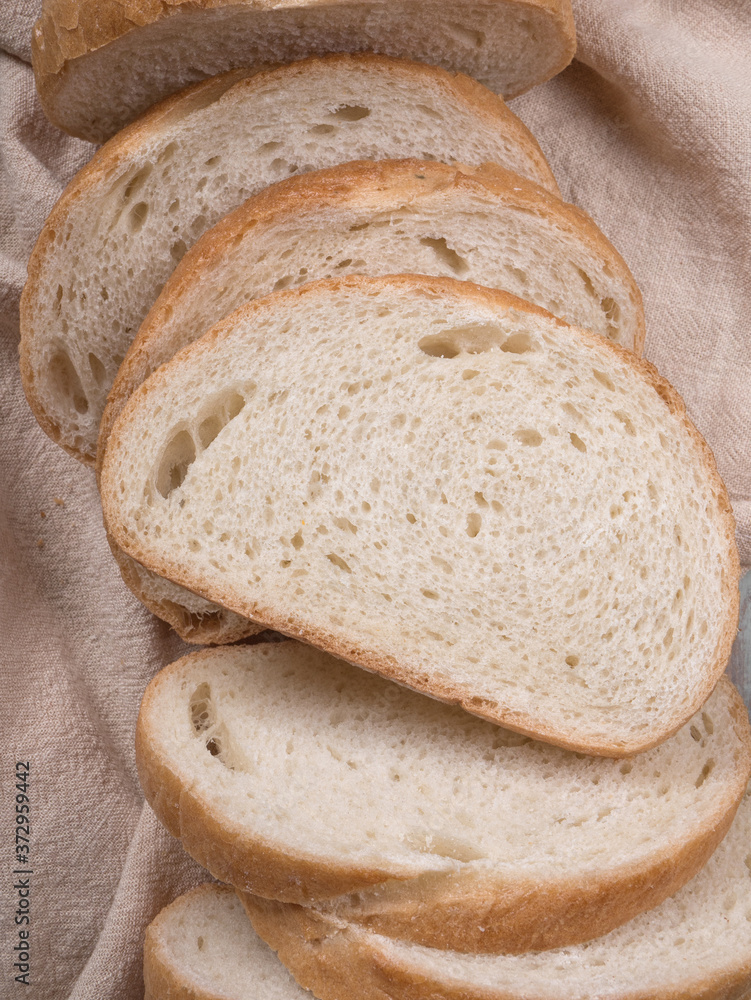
649,131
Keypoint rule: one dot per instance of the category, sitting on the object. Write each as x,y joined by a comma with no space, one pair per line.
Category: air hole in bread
177,458
167,153
201,706
466,36
350,112
430,594
457,264
137,181
572,661
282,283
268,147
705,772
708,724
430,112
97,369
224,408
577,442
464,339
338,561
474,524
626,421
178,250
137,216
529,437
213,161
199,943
66,381
322,129
604,379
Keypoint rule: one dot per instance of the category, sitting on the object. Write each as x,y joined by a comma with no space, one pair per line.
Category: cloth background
649,131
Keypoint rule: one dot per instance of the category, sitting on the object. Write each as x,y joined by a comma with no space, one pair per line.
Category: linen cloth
649,131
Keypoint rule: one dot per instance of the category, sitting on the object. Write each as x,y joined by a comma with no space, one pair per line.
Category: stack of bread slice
349,369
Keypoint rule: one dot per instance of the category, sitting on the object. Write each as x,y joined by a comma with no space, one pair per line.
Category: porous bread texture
293,775
448,486
694,946
127,218
484,225
487,226
84,51
202,947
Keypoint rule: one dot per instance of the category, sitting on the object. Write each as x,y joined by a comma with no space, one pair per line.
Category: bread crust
365,186
128,143
462,910
69,30
163,980
336,965
289,623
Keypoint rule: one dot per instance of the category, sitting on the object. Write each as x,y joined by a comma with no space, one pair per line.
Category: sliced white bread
694,946
485,225
202,947
448,486
100,63
126,219
490,227
295,776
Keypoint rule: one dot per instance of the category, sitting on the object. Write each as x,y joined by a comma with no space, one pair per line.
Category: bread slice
84,51
202,947
487,226
293,775
694,946
125,220
446,485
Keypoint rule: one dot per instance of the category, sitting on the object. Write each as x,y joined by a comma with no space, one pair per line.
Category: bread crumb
59,501
40,543
42,514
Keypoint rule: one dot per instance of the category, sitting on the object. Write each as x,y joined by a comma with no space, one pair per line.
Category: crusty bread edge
68,30
491,915
518,914
361,185
162,979
128,143
231,854
289,624
212,628
339,964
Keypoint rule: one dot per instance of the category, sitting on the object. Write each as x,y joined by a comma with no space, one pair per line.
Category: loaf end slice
83,51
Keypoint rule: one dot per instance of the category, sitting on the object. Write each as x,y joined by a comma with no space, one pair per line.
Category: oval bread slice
293,775
448,486
202,947
125,220
694,946
488,226
84,51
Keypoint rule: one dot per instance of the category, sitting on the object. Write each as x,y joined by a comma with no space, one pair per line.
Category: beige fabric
650,132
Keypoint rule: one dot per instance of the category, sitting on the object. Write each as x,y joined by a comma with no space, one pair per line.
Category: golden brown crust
162,979
295,627
128,143
228,851
481,911
336,964
68,30
377,186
